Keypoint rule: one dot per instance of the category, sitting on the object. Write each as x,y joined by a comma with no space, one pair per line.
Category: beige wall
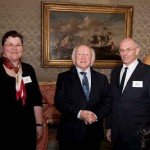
25,17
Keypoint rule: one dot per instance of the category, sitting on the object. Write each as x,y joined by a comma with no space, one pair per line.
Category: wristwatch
40,124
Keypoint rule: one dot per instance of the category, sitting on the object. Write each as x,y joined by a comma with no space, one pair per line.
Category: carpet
53,143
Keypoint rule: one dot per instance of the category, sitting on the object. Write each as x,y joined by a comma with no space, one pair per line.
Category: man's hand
108,135
88,116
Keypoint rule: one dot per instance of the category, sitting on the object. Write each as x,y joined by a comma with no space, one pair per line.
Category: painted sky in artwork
82,26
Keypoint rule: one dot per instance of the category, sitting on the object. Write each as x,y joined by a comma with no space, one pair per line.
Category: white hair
74,52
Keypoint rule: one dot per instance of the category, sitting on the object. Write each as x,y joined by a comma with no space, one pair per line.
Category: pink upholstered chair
51,114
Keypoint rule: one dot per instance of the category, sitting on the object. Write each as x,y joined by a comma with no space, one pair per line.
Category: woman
20,96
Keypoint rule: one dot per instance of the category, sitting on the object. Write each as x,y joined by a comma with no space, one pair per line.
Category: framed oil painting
67,25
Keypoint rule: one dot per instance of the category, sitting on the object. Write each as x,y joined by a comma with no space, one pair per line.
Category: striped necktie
85,84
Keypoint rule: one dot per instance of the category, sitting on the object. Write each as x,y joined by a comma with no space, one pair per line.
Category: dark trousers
121,144
86,145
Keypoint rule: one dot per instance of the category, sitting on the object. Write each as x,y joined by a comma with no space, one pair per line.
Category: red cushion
48,92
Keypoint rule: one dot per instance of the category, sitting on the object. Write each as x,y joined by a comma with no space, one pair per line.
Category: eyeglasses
80,55
128,50
11,45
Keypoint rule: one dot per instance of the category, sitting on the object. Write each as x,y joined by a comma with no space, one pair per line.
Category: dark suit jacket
131,110
70,99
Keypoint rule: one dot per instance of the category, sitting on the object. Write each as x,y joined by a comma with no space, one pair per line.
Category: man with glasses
131,104
83,97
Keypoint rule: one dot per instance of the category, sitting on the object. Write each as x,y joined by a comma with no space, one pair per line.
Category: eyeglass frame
11,45
128,50
82,54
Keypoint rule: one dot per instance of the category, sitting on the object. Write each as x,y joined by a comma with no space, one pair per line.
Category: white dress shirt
130,70
88,71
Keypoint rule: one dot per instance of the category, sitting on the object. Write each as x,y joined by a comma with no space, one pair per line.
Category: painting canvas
94,25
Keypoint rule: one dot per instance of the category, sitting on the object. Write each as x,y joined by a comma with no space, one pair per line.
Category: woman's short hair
11,33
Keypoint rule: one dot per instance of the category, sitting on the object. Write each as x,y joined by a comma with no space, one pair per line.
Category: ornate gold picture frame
67,25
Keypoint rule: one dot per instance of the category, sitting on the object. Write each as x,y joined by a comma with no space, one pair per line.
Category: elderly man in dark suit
82,113
131,105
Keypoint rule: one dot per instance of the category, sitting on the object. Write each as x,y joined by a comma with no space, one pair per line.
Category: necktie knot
84,79
85,84
83,73
125,68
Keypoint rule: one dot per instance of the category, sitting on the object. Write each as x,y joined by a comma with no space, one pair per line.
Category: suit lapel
93,84
76,80
133,77
118,79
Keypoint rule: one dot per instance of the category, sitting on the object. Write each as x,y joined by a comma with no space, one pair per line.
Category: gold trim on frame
49,22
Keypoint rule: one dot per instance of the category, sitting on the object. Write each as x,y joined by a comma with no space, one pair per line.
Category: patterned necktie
85,84
123,79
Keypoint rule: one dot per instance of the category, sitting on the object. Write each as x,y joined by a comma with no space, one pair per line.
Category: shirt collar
80,70
132,66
